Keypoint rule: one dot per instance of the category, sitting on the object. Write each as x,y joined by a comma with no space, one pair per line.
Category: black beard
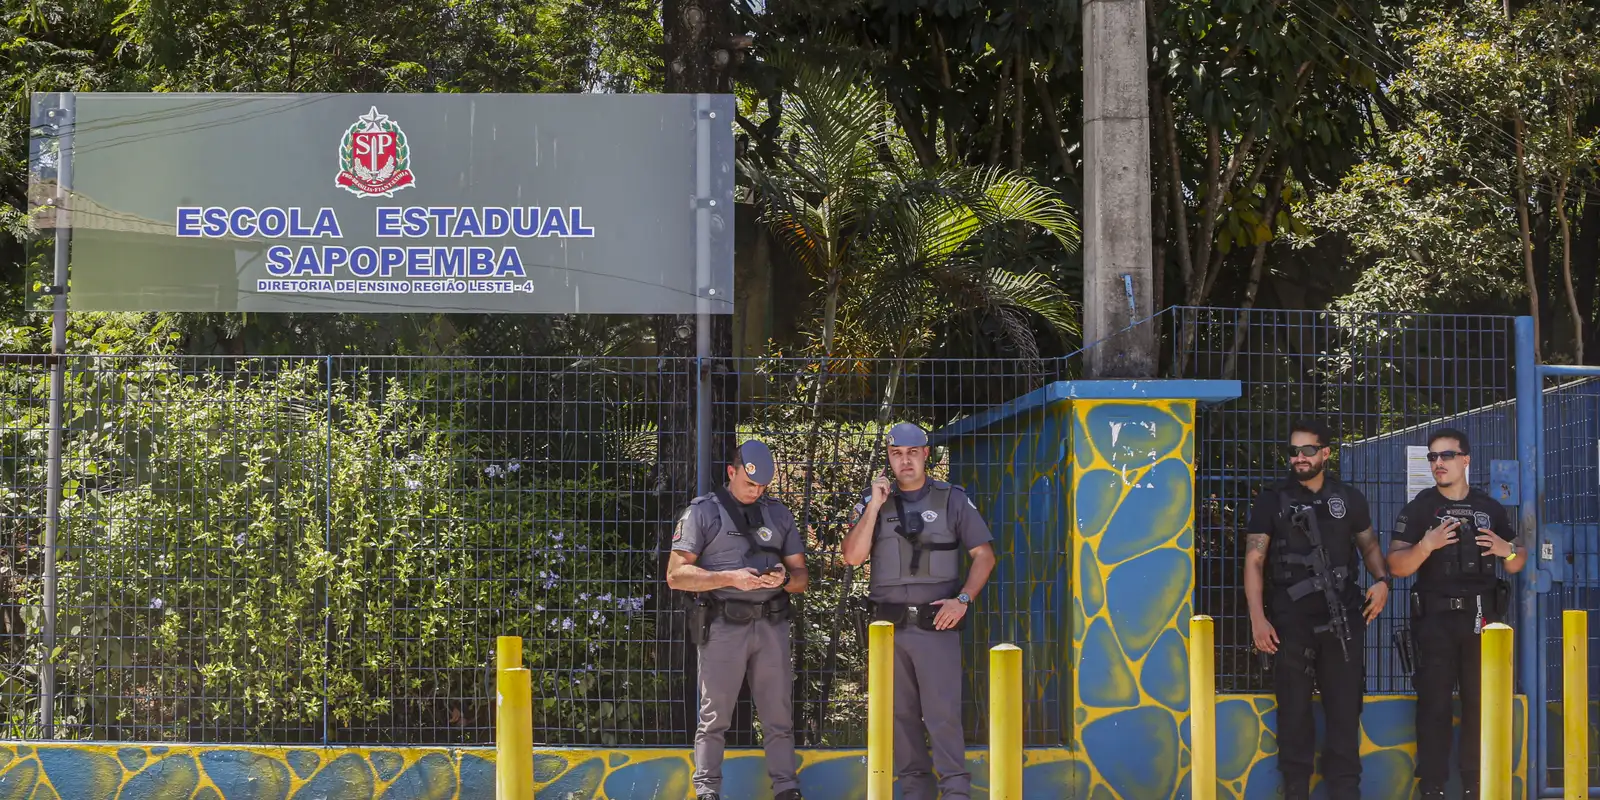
1306,476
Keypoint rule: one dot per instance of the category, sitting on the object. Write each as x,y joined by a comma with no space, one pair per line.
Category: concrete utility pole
1117,276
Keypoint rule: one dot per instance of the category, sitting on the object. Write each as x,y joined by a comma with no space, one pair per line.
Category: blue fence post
1530,454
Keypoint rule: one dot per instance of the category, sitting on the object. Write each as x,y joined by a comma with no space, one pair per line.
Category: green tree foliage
240,547
900,249
1481,194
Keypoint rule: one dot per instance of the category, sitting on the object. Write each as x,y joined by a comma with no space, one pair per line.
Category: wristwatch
964,599
1387,580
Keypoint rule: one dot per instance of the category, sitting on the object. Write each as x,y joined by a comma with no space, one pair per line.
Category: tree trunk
998,114
1161,208
1525,229
1586,263
1180,212
1052,121
945,84
1257,265
1567,268
1016,112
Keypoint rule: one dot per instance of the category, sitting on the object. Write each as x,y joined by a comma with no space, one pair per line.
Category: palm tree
898,250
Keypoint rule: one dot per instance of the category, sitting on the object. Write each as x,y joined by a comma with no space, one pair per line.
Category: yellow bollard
513,724
1575,703
507,655
880,711
1005,722
1495,738
1202,711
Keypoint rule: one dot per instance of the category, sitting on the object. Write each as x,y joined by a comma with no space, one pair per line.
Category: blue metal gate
1561,404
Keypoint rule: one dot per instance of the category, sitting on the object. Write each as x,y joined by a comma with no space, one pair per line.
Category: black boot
707,796
1297,790
788,794
1433,793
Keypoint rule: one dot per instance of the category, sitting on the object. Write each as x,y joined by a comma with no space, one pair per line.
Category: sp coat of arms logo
374,158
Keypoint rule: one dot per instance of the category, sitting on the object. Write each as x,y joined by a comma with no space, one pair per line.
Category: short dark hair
1451,433
1315,428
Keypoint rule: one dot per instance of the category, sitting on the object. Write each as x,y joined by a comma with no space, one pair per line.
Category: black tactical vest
1290,545
1460,569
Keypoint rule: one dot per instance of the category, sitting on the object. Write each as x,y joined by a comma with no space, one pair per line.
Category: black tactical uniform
1458,591
1309,652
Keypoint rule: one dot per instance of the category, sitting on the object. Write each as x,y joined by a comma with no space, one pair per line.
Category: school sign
389,203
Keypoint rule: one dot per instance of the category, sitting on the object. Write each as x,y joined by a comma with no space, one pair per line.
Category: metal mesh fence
832,416
1570,522
1381,382
324,549
24,417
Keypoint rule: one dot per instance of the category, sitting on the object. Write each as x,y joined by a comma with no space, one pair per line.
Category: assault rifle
1324,577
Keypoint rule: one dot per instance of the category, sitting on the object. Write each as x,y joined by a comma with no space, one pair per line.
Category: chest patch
1336,507
929,516
765,534
1482,519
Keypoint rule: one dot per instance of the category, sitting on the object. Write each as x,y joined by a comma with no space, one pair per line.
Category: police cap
756,461
908,434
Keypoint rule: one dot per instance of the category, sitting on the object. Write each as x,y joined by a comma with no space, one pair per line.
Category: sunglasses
1307,450
1444,455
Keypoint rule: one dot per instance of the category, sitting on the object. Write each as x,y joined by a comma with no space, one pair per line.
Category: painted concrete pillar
1132,539
1089,489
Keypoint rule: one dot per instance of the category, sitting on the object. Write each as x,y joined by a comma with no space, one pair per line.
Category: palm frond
1033,292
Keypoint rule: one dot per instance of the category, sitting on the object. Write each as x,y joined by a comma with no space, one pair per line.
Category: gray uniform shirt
697,533
969,528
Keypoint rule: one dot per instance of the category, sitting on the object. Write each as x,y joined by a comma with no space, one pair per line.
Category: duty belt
903,614
1424,603
741,611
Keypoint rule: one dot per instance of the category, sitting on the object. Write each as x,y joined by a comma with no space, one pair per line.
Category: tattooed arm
1255,563
1372,555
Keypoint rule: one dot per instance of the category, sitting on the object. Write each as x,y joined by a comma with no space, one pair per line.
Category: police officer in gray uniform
914,529
741,555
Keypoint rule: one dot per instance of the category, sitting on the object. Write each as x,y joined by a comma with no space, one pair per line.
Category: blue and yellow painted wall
1246,755
1089,490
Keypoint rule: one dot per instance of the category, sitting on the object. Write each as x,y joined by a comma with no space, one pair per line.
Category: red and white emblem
374,159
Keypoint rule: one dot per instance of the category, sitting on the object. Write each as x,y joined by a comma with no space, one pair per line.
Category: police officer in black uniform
740,552
1453,537
1308,611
